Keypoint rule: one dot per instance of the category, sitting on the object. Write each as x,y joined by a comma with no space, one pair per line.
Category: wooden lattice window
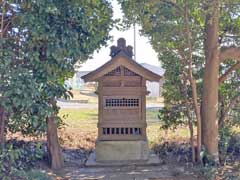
121,102
115,72
121,131
128,72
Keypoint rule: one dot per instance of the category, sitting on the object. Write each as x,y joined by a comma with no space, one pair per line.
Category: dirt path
161,172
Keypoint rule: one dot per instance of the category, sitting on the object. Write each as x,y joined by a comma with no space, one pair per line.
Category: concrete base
121,151
153,160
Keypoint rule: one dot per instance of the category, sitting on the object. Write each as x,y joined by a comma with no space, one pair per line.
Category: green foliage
229,144
163,23
171,117
209,172
38,52
32,175
18,156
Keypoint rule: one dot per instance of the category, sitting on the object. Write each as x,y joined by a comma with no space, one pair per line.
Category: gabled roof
121,59
156,69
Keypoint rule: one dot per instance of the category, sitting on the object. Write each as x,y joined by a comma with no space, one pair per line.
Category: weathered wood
122,98
126,91
121,60
118,78
122,124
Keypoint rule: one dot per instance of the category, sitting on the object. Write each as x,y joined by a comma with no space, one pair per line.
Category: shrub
19,156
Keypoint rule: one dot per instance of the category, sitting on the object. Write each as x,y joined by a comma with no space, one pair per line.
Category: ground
77,138
80,133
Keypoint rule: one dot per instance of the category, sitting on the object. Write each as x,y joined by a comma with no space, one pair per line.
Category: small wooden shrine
121,105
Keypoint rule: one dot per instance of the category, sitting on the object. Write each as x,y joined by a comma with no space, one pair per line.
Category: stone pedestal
122,151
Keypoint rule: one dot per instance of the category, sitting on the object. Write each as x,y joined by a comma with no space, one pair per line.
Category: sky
144,51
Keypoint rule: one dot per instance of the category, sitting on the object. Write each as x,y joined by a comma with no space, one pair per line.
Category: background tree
190,32
51,36
178,52
217,51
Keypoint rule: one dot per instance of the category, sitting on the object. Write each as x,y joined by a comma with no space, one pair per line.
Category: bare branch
229,53
225,75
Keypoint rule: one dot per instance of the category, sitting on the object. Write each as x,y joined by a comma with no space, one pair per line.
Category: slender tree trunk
188,114
190,126
192,80
2,111
222,114
210,81
198,116
54,149
2,127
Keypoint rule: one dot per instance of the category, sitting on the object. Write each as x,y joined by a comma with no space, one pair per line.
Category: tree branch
2,17
172,3
232,103
225,75
229,53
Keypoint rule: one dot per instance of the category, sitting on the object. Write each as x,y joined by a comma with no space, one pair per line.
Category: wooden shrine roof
121,59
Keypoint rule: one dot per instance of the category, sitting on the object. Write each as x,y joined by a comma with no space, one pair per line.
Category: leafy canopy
43,41
163,23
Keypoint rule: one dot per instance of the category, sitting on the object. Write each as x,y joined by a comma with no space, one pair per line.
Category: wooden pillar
143,105
100,108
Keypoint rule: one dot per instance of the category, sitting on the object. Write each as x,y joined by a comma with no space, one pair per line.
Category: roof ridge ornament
121,47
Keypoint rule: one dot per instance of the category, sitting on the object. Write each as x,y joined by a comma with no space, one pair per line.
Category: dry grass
81,129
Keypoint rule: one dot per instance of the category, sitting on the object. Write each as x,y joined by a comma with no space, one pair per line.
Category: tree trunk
54,149
188,114
190,126
192,80
222,114
2,127
198,117
210,81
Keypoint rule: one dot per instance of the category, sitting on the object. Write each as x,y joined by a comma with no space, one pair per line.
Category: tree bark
54,149
188,114
2,127
210,80
198,117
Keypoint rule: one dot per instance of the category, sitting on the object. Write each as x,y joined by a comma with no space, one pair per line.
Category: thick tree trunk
210,81
54,149
2,127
